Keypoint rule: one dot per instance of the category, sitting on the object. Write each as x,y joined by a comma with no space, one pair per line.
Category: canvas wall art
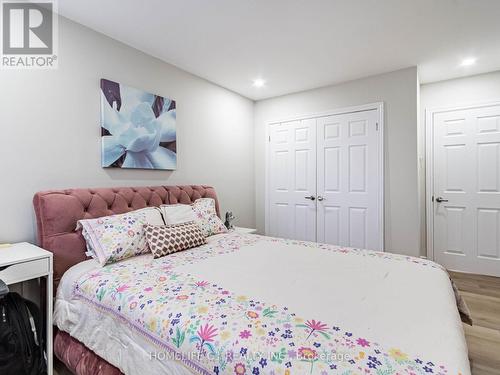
138,128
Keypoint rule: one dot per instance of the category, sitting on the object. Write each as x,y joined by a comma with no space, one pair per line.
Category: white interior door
292,180
349,174
466,189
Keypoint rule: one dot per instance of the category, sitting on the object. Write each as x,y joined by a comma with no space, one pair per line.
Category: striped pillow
167,239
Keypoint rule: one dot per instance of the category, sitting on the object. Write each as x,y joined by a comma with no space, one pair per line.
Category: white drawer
25,271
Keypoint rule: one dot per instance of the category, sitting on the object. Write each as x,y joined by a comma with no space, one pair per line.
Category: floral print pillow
206,217
113,238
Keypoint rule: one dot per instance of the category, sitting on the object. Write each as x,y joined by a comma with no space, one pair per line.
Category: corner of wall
421,173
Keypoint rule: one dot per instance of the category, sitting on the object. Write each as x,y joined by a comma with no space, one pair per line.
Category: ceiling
297,45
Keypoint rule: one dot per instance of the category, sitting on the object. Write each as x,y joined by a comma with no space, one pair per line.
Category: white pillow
153,215
177,213
202,212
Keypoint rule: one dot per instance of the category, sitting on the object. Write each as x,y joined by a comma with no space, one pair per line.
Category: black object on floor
21,337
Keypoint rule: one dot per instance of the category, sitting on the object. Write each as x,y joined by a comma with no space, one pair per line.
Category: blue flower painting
138,128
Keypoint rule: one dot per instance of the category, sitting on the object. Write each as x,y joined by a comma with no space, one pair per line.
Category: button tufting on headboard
57,212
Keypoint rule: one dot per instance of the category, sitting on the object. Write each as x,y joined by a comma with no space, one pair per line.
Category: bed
242,303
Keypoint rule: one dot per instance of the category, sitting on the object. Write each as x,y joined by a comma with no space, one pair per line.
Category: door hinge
269,138
432,199
376,126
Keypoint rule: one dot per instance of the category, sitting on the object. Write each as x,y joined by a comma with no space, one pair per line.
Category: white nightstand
22,262
245,230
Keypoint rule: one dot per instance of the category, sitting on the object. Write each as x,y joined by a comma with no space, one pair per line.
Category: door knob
320,198
439,199
311,197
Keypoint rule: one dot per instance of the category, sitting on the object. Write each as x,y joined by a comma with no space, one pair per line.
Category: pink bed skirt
79,359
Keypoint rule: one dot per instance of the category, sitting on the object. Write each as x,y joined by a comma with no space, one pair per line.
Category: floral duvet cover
209,328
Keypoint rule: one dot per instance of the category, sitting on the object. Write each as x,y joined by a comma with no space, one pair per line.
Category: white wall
462,91
481,88
50,129
398,91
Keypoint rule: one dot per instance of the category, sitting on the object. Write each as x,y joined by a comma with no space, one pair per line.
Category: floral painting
138,128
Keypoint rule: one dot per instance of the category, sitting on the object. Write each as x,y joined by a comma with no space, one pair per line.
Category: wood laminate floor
482,294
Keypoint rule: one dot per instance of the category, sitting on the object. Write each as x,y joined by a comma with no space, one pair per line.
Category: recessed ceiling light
468,61
259,82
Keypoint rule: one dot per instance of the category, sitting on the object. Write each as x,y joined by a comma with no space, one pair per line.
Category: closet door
348,180
292,180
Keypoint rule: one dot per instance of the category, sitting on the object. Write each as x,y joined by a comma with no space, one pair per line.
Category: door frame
378,106
429,165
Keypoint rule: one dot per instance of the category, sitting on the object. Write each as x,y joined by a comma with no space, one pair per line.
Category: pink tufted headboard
58,211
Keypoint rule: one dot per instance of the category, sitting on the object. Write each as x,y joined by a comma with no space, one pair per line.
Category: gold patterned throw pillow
167,239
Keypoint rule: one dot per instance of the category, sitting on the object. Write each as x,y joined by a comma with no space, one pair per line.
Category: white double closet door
325,179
